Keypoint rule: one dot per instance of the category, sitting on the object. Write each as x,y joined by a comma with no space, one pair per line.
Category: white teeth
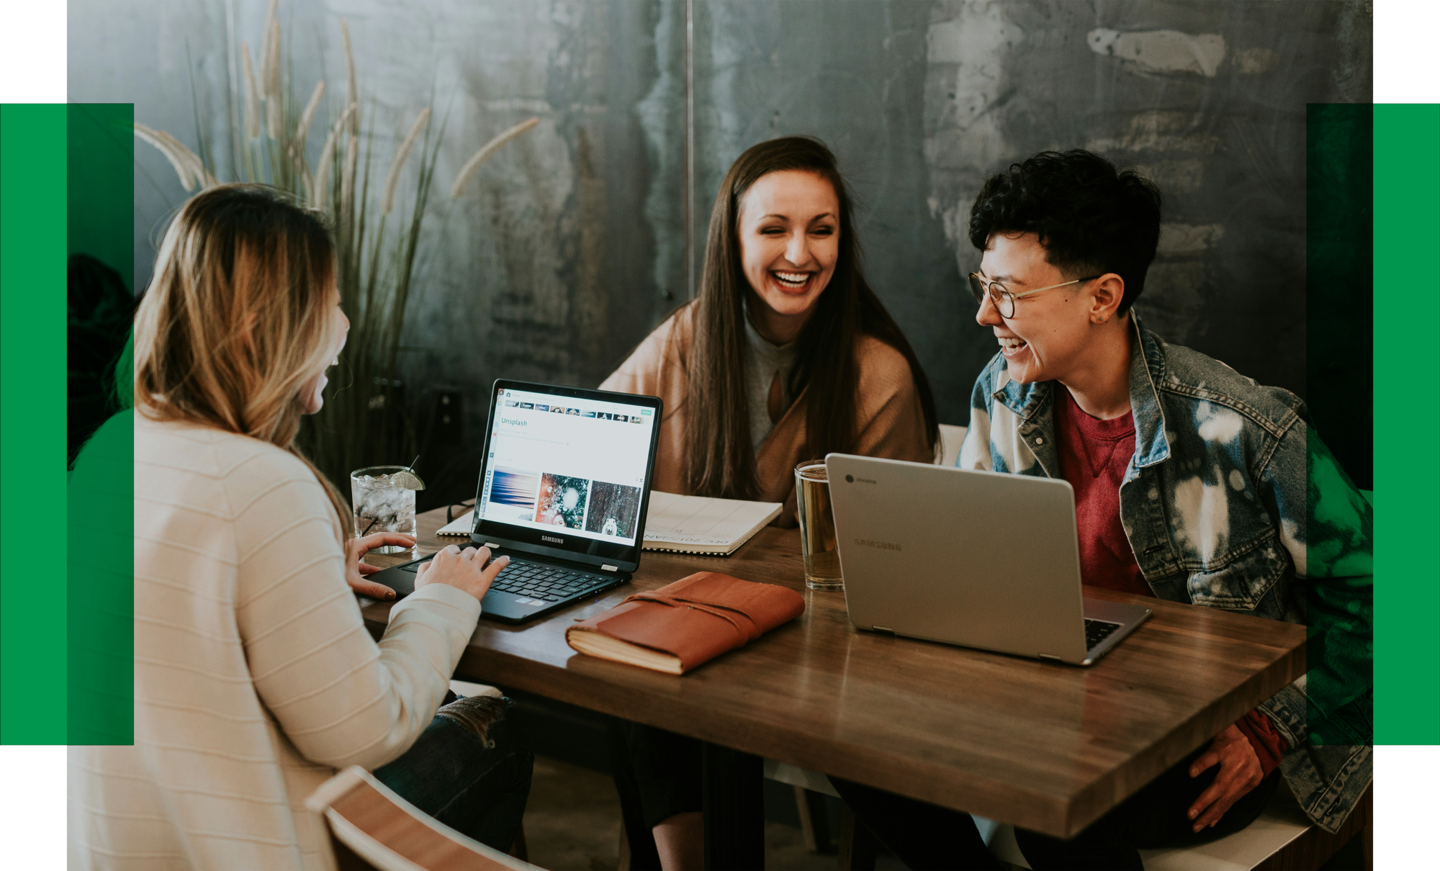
794,279
1010,344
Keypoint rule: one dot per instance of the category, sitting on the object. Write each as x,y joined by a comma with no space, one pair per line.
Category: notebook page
704,521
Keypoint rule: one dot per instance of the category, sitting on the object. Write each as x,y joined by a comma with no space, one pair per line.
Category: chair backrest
373,828
950,439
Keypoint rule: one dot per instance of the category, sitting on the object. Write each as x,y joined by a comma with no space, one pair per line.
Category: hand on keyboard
545,582
470,570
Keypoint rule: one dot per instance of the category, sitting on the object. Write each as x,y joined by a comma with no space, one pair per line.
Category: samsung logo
882,545
552,539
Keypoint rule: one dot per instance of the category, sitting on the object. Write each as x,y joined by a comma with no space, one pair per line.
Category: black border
589,551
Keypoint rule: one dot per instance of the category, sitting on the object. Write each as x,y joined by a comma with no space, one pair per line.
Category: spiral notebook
685,524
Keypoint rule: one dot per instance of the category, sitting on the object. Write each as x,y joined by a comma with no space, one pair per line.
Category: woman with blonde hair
255,677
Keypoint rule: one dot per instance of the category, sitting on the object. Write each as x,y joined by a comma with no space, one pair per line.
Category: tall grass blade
302,130
252,100
265,51
274,99
392,178
352,91
485,153
347,178
177,162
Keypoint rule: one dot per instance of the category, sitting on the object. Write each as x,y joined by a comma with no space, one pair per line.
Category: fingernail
1192,815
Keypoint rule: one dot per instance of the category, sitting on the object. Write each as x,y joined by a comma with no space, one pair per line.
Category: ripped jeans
468,770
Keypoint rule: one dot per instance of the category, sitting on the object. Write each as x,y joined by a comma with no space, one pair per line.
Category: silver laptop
980,559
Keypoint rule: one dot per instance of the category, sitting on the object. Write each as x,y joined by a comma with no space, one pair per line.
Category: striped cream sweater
255,677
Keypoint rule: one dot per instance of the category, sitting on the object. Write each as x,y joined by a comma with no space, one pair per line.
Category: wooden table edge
1034,810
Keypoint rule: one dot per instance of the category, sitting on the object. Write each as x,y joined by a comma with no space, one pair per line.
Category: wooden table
1045,746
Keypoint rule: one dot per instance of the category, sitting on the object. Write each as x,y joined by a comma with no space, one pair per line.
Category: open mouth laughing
792,281
1011,345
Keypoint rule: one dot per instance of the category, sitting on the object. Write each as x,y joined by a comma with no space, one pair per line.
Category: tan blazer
889,420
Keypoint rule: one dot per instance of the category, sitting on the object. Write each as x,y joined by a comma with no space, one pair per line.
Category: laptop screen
569,469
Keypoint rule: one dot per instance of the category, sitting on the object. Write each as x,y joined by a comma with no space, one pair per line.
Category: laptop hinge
609,568
885,629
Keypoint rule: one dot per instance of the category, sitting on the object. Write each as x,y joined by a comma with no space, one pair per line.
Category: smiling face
789,229
311,392
1050,336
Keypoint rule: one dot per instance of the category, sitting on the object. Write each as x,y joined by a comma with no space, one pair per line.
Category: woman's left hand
354,568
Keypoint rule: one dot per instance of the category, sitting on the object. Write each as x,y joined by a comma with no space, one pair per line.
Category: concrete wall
571,245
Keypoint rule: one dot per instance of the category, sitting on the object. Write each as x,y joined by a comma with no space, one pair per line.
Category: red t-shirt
1094,455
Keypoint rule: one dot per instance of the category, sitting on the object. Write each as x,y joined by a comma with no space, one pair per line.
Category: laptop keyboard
1097,631
541,581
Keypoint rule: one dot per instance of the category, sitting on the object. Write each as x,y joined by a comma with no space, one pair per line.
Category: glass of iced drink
383,503
817,527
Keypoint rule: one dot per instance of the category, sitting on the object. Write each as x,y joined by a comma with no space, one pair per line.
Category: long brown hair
720,460
237,318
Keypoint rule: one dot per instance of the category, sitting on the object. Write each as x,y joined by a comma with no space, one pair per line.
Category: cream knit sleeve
339,697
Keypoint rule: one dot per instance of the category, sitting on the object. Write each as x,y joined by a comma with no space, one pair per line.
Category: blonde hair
237,318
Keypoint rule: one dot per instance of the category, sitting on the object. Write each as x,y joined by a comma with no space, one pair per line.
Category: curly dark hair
1090,217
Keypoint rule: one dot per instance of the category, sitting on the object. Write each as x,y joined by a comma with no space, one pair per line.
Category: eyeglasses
1005,300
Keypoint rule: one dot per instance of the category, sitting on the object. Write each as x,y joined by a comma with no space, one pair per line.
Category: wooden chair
373,829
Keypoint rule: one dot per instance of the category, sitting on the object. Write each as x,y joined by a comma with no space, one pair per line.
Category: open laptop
980,559
563,491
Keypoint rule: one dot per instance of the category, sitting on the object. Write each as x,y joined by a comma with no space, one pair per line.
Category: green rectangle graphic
101,555
1407,424
1339,520
32,424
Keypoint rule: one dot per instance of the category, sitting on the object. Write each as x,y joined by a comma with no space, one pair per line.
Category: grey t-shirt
762,362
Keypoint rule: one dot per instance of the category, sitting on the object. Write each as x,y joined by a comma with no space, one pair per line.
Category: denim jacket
1231,501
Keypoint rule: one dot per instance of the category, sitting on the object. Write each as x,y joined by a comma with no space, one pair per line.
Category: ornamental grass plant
377,228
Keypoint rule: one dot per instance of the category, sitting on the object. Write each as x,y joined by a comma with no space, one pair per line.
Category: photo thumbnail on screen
614,508
512,495
562,501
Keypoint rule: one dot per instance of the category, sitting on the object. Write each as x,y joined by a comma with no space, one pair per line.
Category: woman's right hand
470,570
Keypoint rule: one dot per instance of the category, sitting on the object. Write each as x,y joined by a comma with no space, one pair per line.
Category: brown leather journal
681,625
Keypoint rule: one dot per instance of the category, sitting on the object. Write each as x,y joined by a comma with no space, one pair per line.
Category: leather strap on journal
697,617
748,632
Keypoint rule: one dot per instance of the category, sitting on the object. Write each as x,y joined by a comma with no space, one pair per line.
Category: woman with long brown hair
785,355
255,677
